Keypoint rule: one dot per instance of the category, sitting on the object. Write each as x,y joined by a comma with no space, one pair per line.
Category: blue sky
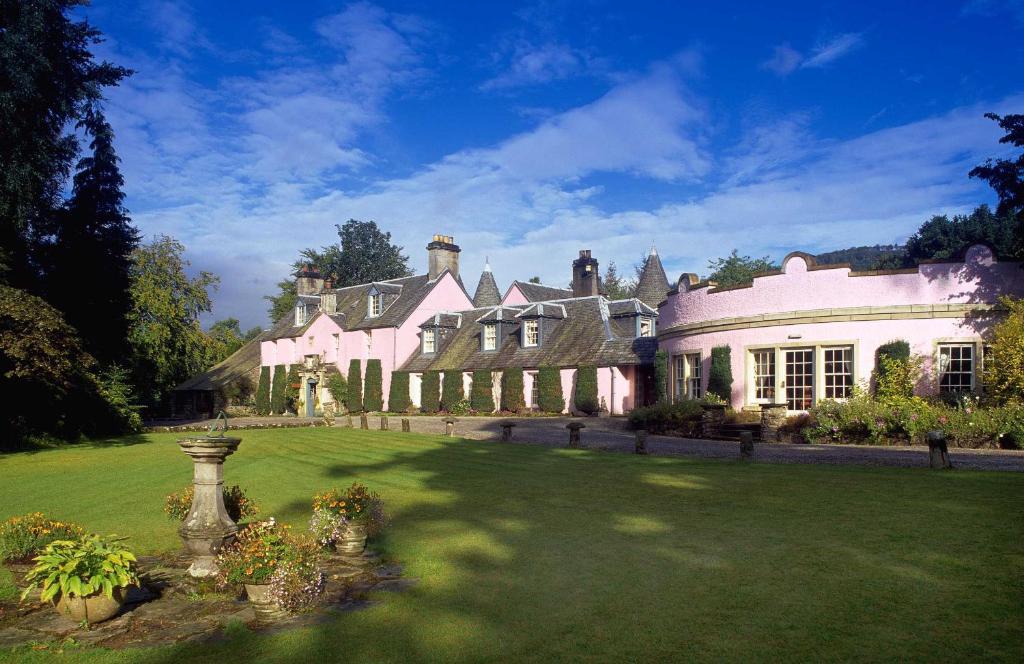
531,131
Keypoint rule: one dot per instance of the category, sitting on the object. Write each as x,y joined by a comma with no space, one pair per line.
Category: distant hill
863,258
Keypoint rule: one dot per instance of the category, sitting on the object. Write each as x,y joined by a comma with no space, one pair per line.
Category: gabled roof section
487,293
630,307
540,292
580,337
544,310
653,286
446,319
227,371
500,314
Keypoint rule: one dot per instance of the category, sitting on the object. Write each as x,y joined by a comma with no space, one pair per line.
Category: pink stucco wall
514,296
976,281
392,346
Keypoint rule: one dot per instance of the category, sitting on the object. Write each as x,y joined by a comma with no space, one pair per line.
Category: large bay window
799,375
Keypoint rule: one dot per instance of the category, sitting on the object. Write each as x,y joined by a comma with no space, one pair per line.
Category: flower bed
22,537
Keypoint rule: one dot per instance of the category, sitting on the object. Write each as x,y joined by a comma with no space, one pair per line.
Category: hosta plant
22,537
238,505
81,568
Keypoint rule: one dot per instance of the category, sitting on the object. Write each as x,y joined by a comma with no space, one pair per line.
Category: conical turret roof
487,293
653,286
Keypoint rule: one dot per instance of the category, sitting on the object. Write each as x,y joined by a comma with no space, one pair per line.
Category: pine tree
512,397
549,390
398,395
482,395
277,388
586,389
452,391
354,400
263,392
430,391
373,401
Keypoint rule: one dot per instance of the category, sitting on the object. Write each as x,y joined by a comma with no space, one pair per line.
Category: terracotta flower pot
263,602
91,609
353,540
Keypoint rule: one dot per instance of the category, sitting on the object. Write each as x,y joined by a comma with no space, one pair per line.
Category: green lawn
528,553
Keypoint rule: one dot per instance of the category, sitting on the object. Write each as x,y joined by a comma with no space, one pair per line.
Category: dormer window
429,340
645,327
375,305
531,333
490,336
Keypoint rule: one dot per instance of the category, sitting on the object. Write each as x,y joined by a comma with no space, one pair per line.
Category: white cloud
536,64
785,59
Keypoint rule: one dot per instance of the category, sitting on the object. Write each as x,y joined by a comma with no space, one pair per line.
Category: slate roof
401,297
653,286
225,372
487,293
541,293
584,336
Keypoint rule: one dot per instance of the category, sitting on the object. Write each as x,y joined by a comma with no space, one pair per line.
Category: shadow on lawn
37,447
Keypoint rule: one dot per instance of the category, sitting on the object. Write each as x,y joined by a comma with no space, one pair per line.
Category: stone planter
91,609
263,603
207,528
353,540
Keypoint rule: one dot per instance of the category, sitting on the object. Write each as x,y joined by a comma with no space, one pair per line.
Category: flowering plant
238,505
23,536
356,503
326,527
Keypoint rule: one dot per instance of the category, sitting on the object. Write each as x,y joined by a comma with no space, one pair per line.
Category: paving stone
47,620
14,636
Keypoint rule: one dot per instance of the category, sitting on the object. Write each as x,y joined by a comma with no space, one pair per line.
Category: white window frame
375,305
826,374
649,323
429,341
531,328
770,355
679,376
491,336
778,351
534,389
942,364
687,375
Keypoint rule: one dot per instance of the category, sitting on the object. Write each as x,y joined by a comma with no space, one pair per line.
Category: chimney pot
442,253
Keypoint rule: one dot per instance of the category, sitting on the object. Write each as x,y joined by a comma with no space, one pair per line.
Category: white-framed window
531,333
300,314
956,367
534,390
799,377
375,305
646,327
764,375
490,336
429,340
838,372
688,373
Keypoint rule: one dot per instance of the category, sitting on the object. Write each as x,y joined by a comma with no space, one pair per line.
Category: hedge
720,375
512,398
373,400
430,391
661,377
586,389
291,393
354,400
452,391
398,395
277,388
482,395
549,390
682,417
263,392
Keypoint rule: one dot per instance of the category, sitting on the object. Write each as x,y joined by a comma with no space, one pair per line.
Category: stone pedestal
711,420
641,441
383,422
207,528
746,445
506,431
574,433
348,421
773,416
449,426
405,425
938,451
363,422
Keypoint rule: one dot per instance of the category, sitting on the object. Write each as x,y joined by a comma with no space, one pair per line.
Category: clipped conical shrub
482,396
373,398
430,392
586,389
398,395
263,392
354,400
277,390
452,391
549,390
512,398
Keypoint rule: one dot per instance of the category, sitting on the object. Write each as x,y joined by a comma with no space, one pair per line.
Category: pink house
810,332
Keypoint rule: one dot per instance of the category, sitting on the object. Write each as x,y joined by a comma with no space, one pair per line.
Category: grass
533,554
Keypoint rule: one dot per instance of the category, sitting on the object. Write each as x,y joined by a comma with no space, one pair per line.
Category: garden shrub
238,505
894,376
116,390
720,374
373,400
1006,375
661,376
354,399
23,537
681,417
430,391
263,392
452,391
338,387
277,388
398,394
461,407
482,393
586,389
512,397
291,390
549,390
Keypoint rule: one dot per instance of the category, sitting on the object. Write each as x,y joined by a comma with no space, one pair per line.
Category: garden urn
353,539
263,603
91,609
207,528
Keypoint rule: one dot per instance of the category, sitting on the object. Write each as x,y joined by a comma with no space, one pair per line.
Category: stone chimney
586,279
329,297
308,281
442,252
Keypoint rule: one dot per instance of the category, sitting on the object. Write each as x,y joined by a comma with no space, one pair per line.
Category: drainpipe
611,409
